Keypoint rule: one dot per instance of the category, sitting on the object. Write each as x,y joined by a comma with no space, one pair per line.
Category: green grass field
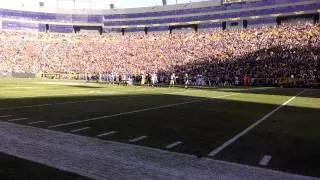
200,119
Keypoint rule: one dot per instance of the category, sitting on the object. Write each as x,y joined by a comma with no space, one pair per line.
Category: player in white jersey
154,79
172,80
100,77
86,77
186,80
143,79
236,81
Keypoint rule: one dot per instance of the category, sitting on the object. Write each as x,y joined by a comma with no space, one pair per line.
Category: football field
273,128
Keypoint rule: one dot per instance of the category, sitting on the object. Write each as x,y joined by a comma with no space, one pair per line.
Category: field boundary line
245,131
136,111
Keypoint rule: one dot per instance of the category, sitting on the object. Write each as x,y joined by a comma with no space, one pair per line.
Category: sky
87,4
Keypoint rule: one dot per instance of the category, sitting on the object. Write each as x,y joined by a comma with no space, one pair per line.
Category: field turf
200,120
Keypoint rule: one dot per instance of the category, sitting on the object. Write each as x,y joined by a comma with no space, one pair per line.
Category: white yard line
50,104
137,139
63,94
18,119
36,122
135,111
5,116
173,145
60,103
236,137
232,94
76,93
81,129
107,133
265,160
49,95
69,83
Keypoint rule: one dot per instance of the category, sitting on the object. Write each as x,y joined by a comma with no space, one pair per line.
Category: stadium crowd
265,54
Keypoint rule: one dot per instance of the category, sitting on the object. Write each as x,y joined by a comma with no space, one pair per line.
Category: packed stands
232,39
267,54
204,15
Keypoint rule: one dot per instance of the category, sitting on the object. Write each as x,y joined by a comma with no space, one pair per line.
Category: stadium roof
88,4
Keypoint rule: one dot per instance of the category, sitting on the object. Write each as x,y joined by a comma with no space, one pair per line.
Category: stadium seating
212,17
258,50
53,17
266,53
61,28
202,13
13,25
244,5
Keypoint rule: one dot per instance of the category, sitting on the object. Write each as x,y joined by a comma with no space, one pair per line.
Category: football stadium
150,89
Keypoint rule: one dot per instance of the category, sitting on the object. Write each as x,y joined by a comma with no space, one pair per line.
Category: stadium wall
5,74
206,15
23,75
16,75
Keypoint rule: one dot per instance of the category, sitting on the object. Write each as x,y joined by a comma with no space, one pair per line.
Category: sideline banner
23,75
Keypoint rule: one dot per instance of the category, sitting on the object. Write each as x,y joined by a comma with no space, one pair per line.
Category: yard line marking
134,111
81,129
173,145
19,119
36,122
265,160
107,133
5,116
137,139
232,94
236,137
49,104
78,93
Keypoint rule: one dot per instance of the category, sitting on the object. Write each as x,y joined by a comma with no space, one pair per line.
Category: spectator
266,54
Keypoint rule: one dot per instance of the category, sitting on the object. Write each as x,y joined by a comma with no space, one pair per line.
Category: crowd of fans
265,54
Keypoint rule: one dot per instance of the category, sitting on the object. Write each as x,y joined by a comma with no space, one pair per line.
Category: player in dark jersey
245,80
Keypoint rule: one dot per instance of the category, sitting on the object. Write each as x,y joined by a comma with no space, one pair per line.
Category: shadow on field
312,93
201,125
85,86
